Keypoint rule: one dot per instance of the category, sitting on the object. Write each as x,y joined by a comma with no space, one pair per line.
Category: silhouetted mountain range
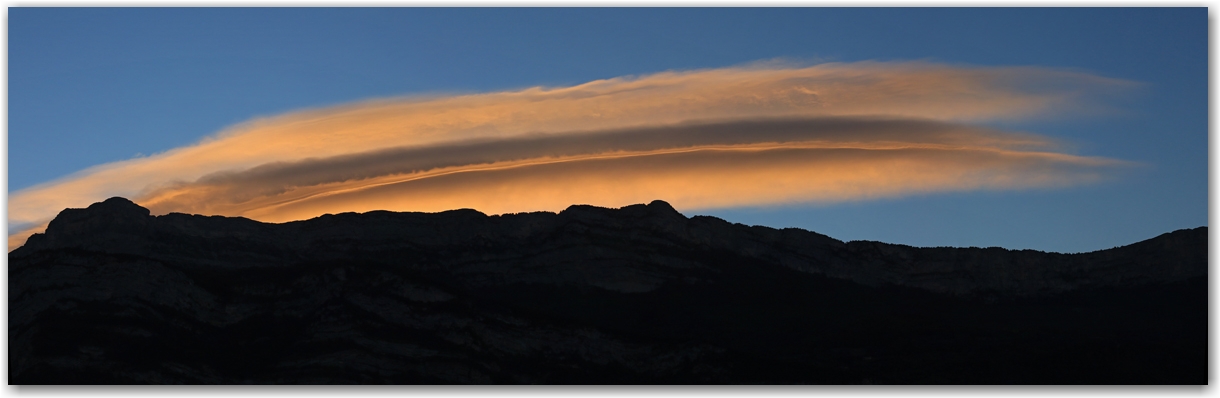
640,295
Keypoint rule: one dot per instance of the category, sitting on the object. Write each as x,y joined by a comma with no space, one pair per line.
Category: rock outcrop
641,294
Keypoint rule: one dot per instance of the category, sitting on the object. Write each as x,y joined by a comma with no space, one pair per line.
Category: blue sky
92,86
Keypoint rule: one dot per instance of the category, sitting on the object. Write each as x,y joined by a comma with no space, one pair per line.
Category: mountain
637,295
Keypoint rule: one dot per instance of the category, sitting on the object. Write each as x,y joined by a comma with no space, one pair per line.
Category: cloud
710,138
694,165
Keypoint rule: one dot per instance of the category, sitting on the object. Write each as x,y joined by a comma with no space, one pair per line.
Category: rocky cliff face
642,294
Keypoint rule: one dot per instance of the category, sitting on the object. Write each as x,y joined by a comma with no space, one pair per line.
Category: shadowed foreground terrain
641,295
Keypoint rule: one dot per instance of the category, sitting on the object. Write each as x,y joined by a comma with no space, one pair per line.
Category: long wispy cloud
728,137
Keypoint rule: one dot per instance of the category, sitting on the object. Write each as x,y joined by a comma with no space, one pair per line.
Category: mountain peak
107,211
113,220
119,205
661,206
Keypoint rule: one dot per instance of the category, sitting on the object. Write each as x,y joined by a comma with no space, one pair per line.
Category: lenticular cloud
747,136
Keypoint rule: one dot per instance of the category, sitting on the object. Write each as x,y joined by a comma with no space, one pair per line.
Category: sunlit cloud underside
733,137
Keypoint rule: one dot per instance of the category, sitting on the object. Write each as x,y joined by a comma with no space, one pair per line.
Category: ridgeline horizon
661,201
637,295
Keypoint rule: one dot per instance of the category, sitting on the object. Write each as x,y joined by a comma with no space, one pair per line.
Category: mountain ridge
119,225
110,294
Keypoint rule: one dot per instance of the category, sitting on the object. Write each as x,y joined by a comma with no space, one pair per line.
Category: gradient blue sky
91,86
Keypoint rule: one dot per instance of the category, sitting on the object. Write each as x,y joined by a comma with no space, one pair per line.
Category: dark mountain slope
642,294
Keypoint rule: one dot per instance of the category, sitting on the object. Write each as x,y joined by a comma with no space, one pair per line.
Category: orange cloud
695,166
710,138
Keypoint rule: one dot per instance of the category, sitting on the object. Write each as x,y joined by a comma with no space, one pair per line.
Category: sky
1057,129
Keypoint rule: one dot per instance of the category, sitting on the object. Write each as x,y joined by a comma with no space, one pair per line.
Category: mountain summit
641,294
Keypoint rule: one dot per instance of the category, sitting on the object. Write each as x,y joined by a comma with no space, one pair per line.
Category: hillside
640,295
